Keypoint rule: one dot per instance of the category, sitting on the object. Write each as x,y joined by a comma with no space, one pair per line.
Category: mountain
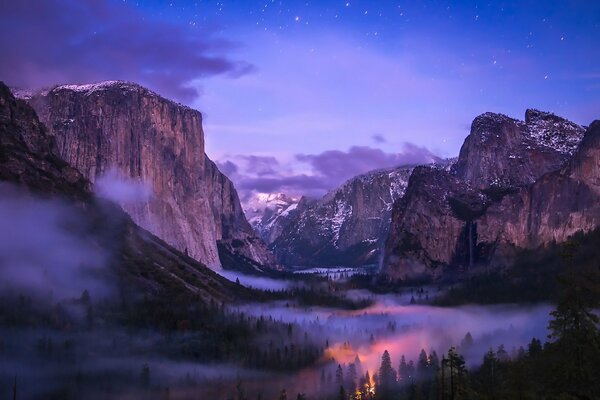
121,129
513,186
270,213
502,152
346,226
143,264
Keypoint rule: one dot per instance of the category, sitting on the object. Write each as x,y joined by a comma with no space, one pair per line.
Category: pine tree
489,369
574,327
467,342
342,393
387,376
358,365
456,374
434,360
534,348
368,386
502,354
423,366
351,378
403,369
339,376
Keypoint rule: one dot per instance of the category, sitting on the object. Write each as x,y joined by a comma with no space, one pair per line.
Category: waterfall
471,243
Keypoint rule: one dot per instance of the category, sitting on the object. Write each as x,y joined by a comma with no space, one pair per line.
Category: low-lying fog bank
403,329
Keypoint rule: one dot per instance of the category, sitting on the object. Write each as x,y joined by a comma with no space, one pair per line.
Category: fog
403,329
44,249
47,252
256,282
117,187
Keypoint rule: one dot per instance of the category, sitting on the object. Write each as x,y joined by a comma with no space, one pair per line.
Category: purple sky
300,95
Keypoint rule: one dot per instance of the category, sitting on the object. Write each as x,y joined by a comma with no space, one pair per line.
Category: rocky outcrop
347,226
141,263
122,127
429,227
555,207
509,188
28,154
502,152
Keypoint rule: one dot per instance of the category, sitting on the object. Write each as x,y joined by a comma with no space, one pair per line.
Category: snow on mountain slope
348,225
270,213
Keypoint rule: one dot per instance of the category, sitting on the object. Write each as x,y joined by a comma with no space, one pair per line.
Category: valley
131,267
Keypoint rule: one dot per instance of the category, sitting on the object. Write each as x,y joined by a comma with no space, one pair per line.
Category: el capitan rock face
125,127
139,262
509,188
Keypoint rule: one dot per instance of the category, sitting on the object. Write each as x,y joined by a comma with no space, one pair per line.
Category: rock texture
510,188
345,227
122,127
503,152
142,263
555,207
270,213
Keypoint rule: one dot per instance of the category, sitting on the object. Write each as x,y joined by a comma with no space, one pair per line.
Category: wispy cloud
75,41
319,172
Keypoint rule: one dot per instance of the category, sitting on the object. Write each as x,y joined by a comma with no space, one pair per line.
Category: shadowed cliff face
502,152
124,129
555,207
138,262
515,184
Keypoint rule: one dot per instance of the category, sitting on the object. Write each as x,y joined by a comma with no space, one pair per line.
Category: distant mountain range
270,213
348,226
515,184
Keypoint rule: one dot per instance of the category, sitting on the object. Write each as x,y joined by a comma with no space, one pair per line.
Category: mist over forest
299,200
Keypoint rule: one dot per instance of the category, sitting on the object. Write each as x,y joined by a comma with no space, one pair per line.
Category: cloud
228,168
261,165
75,41
121,189
325,170
377,138
341,165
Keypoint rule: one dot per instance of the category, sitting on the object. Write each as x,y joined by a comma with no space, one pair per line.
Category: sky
298,96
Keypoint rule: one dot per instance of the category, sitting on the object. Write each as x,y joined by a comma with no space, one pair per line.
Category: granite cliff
513,186
124,129
140,263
